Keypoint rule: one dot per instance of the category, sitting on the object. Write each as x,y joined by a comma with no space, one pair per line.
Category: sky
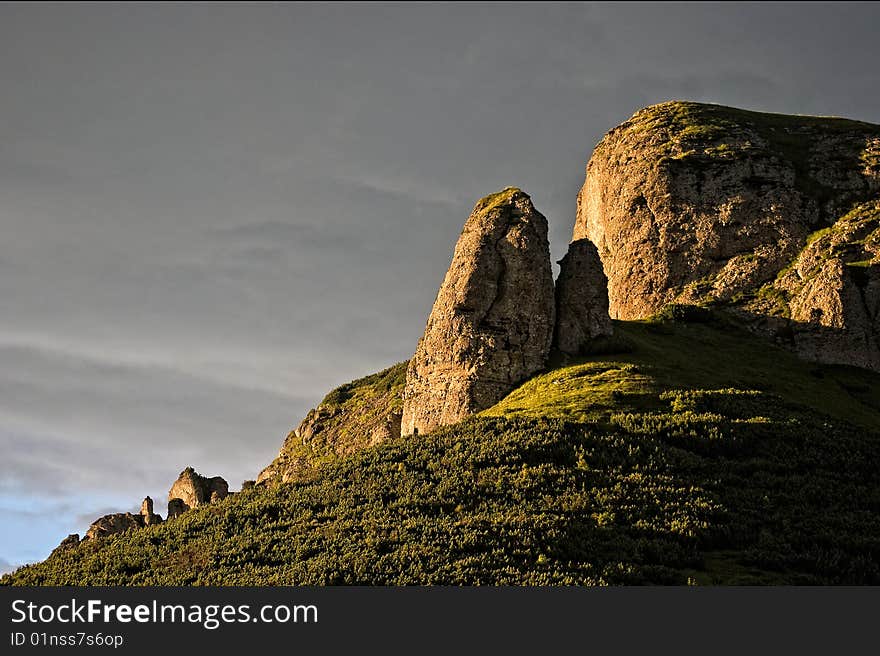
212,214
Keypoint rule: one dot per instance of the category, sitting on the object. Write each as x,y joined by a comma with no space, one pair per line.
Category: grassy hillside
699,455
351,417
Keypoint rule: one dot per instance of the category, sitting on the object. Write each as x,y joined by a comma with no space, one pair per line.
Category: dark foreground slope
701,455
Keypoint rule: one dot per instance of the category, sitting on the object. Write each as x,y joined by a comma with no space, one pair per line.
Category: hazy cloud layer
212,214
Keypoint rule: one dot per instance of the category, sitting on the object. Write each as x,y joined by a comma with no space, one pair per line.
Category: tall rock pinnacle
491,326
581,299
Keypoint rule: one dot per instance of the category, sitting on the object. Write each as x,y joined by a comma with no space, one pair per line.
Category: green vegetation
344,422
355,394
711,353
499,198
700,119
871,156
702,288
774,300
854,239
699,134
721,150
700,455
818,234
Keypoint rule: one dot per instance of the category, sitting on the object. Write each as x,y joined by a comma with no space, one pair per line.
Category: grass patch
492,201
388,380
700,133
706,355
343,422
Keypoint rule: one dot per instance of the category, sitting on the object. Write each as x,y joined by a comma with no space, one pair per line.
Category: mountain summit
776,216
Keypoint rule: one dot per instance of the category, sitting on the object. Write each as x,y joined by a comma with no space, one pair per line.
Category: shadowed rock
67,543
491,326
581,299
176,507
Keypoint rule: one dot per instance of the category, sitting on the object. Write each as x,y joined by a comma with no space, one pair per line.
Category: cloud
407,189
79,422
274,236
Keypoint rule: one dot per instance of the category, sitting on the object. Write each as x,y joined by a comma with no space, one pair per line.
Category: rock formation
194,490
491,326
69,542
176,507
358,414
581,299
119,523
189,490
827,304
693,203
112,524
149,517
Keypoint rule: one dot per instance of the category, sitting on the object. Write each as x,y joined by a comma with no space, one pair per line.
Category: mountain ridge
686,443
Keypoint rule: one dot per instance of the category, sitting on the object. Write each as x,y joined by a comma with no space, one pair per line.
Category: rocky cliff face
826,304
692,203
491,326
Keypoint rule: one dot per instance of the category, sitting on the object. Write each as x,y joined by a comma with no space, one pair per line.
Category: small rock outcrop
119,523
67,543
112,524
194,490
176,507
491,326
581,299
147,513
189,490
